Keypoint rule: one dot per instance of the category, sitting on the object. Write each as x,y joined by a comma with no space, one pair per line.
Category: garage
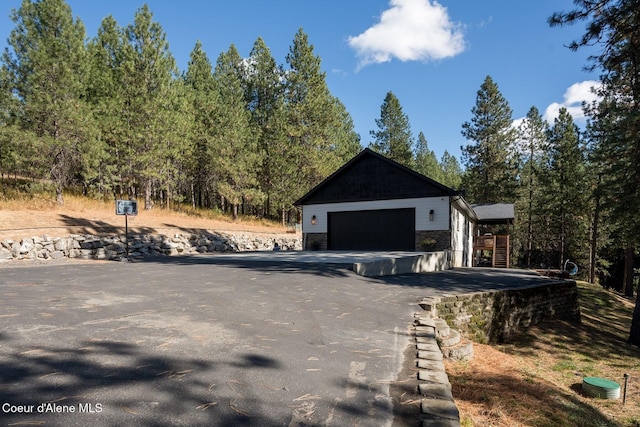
373,203
372,230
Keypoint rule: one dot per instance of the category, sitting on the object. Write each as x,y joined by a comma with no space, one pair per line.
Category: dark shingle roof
494,212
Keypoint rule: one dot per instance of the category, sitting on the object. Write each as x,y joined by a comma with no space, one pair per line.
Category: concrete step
426,321
442,328
461,351
450,340
425,332
436,409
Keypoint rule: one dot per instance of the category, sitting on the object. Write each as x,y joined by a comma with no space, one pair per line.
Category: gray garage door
374,230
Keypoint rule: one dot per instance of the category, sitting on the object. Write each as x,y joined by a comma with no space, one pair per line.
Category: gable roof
372,176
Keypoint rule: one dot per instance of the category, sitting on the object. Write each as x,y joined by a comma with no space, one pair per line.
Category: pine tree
105,96
148,72
10,155
533,136
237,158
265,100
346,141
46,66
564,180
204,98
451,171
426,161
319,129
393,138
615,25
491,163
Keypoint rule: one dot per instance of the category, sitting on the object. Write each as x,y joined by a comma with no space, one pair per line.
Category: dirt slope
29,220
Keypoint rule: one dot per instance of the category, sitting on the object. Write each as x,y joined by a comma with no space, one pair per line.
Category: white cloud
411,30
573,98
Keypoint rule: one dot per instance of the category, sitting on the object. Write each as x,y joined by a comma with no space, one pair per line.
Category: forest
111,116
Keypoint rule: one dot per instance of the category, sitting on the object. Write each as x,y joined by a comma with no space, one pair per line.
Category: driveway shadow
95,227
105,383
266,266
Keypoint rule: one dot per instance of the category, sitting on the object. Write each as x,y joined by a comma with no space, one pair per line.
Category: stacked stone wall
115,247
433,240
496,316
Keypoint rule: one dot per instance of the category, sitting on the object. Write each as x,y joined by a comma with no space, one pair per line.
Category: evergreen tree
393,138
237,157
565,193
533,136
10,155
46,67
149,100
318,126
615,25
205,101
451,171
491,162
346,140
178,148
266,102
105,96
601,239
426,161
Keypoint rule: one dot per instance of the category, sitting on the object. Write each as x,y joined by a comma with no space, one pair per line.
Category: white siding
461,239
439,205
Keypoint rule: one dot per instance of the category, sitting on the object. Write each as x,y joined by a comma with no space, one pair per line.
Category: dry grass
536,380
29,216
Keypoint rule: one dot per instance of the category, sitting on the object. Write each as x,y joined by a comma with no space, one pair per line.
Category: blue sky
432,55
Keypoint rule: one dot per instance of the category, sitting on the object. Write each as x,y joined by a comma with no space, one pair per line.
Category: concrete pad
416,263
363,263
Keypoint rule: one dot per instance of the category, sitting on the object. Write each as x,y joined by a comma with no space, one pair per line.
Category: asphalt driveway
208,340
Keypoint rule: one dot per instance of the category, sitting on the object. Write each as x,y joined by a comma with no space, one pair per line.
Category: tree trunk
530,219
594,234
147,195
627,285
59,195
283,219
634,335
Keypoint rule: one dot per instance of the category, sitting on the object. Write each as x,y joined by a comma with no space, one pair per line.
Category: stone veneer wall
315,242
114,247
496,316
442,239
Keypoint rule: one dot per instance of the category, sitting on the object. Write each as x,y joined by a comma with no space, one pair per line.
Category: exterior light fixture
314,220
431,213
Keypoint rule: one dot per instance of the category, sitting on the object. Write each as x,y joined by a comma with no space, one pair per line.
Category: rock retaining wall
114,247
496,316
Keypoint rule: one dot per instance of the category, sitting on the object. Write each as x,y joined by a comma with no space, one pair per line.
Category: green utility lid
601,387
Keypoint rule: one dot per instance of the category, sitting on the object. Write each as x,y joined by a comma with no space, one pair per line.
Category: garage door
374,230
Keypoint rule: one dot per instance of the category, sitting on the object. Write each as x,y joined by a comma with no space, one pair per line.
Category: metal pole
126,233
624,396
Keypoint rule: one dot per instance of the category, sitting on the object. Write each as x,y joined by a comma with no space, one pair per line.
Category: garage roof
372,176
